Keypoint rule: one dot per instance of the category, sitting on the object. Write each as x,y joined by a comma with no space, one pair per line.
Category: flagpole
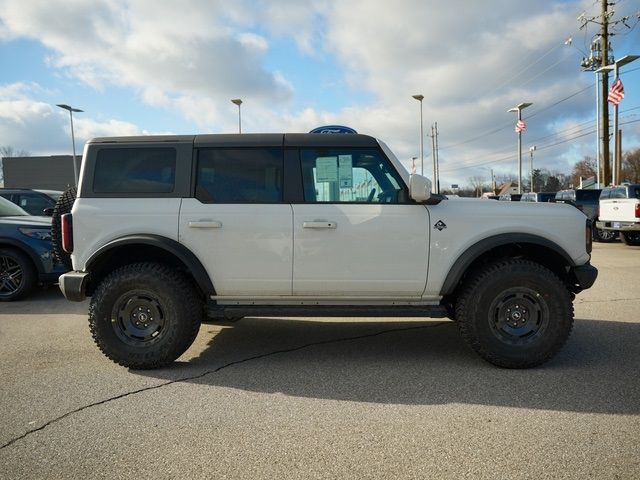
615,130
518,108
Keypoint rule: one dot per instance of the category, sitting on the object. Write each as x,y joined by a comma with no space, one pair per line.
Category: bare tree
7,151
631,166
478,183
585,168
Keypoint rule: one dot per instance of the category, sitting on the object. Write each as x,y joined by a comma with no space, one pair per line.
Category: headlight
39,233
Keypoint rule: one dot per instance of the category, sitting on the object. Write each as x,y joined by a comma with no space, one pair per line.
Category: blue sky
147,67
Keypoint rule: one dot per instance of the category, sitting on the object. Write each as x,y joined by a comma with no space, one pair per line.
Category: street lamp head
418,97
68,108
532,148
520,106
237,101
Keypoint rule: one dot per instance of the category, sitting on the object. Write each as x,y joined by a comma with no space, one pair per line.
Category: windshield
8,209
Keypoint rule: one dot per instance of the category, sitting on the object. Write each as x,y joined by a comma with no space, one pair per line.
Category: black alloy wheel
630,238
138,317
17,275
518,316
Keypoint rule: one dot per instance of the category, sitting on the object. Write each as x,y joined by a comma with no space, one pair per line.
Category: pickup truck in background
587,201
620,212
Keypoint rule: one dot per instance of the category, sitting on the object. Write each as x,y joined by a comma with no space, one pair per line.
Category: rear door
357,234
238,224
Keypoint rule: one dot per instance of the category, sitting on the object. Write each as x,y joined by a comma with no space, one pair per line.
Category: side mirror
48,212
419,188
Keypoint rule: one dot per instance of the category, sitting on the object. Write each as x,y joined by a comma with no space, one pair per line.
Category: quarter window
135,170
349,176
240,175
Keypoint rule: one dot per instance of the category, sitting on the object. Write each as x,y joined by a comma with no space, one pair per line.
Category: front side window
239,175
349,175
135,170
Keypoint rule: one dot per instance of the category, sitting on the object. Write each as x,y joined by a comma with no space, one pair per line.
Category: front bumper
585,276
73,284
619,226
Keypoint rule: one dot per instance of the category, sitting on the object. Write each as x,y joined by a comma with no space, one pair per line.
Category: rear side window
135,170
583,195
240,175
619,192
634,192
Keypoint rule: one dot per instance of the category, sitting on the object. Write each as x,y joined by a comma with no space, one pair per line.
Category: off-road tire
630,238
63,205
16,264
149,289
605,236
491,298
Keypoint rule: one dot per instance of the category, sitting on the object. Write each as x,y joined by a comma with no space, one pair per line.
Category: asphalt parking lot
325,398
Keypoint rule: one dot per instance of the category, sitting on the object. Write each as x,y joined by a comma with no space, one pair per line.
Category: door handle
205,224
318,224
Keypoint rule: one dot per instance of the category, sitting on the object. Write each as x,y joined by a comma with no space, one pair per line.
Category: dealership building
53,172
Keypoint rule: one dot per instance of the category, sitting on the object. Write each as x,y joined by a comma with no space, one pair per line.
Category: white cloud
471,61
35,126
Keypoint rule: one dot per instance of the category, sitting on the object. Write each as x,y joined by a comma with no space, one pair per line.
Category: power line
542,147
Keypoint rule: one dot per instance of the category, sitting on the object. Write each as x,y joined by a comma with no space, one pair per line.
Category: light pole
617,149
531,150
73,139
519,128
238,102
420,98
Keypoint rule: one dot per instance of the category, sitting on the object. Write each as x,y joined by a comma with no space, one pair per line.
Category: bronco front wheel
515,313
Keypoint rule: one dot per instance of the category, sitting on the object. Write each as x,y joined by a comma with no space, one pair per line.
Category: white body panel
245,248
469,221
364,250
98,221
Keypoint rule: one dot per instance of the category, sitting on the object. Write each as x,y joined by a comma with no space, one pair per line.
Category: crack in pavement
215,370
609,300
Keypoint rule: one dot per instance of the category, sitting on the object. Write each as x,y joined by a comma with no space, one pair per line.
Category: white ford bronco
168,229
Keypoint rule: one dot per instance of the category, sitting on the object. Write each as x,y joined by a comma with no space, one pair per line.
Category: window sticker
345,171
326,169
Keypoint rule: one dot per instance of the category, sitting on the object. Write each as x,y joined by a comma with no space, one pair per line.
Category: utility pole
437,179
433,154
604,46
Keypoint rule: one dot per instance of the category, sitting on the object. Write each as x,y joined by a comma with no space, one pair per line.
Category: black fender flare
478,249
173,247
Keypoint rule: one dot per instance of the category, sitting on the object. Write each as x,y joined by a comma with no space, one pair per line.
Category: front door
357,234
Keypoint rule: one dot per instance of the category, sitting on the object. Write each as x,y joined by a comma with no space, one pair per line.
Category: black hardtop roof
251,140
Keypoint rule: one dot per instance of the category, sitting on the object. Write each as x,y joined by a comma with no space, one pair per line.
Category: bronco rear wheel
145,315
515,313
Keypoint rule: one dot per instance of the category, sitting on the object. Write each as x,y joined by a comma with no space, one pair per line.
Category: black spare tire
63,205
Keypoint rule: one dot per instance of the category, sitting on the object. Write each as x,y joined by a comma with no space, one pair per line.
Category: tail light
589,236
67,232
638,210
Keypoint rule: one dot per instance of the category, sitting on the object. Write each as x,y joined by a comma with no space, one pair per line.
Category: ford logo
333,129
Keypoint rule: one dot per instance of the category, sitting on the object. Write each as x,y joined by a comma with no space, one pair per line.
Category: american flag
520,126
616,94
